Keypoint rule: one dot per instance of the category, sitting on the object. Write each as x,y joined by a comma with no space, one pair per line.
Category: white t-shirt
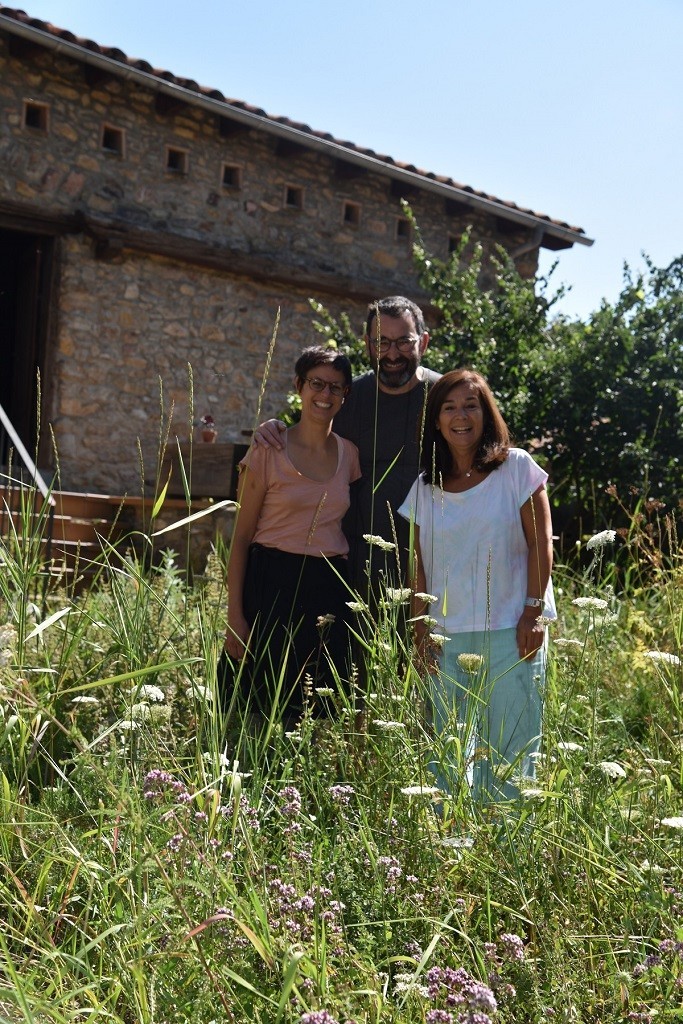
473,546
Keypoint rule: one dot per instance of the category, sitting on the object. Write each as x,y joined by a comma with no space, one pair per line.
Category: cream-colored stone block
77,408
176,329
127,318
385,259
88,163
66,92
66,345
65,131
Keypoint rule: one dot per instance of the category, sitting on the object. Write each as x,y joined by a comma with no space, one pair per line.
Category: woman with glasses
286,574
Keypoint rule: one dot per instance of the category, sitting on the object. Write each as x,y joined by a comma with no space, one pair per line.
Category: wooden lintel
111,239
108,248
38,220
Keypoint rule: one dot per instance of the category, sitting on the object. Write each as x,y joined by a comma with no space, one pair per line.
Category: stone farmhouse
149,225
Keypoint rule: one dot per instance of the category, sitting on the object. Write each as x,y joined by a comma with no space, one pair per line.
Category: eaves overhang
553,234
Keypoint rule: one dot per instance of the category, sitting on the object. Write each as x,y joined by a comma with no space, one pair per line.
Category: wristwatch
534,602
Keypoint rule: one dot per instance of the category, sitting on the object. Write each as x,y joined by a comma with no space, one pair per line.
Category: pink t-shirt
301,515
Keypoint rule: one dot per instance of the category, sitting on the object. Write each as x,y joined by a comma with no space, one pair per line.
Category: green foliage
599,403
499,330
615,396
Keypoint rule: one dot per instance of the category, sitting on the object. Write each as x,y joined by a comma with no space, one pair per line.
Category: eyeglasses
316,384
405,344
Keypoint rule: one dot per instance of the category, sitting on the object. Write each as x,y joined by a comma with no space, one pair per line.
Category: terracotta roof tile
115,54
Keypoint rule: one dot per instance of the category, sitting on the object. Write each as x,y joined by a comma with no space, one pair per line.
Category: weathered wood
113,236
211,469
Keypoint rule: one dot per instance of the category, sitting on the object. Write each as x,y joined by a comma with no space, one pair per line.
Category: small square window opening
112,140
177,160
231,177
403,229
351,213
294,197
36,115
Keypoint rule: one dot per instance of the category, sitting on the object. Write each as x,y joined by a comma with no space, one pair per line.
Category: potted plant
208,428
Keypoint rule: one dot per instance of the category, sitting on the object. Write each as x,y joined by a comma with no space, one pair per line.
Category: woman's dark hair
435,458
316,355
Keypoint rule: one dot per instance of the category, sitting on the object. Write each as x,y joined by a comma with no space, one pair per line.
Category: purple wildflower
474,1001
317,1017
292,801
341,794
512,946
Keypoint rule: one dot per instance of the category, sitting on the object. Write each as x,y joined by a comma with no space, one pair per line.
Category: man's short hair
395,305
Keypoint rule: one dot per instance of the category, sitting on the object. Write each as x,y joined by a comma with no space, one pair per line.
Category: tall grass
164,860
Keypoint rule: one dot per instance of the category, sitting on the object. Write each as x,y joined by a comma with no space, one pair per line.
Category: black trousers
296,606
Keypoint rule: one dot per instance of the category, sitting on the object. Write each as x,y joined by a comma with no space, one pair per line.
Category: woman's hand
267,435
530,632
236,636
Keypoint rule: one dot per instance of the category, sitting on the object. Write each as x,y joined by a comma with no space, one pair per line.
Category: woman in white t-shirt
286,574
483,550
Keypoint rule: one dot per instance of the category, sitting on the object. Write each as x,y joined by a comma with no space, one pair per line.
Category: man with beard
382,416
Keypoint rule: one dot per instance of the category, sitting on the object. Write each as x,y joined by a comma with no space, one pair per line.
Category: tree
599,403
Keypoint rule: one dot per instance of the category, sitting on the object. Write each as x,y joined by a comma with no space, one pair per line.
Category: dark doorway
26,262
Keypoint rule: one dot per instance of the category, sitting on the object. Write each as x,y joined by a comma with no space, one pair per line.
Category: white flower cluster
428,791
674,822
668,659
561,641
200,693
398,595
598,603
612,770
600,540
470,663
153,693
378,542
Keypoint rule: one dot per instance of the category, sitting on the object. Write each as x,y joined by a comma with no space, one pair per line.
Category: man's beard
398,375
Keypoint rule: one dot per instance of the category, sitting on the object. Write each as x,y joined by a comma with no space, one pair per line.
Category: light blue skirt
487,723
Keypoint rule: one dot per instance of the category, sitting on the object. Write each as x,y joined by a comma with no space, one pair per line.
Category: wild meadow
165,859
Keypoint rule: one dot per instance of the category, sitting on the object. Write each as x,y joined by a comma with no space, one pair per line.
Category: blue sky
571,108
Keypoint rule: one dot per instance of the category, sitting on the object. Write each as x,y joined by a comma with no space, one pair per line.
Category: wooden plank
210,469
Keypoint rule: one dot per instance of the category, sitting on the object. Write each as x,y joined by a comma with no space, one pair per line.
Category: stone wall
123,326
138,333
